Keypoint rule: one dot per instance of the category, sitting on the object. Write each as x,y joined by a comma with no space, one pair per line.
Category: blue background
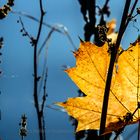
16,82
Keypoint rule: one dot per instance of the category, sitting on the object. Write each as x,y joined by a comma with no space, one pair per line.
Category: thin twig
45,44
102,12
44,91
45,41
106,3
43,103
25,32
45,58
55,27
131,13
43,123
34,19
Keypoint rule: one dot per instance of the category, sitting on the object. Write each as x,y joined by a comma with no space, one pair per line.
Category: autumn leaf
90,74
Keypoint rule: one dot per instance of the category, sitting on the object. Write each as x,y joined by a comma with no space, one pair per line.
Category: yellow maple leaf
90,74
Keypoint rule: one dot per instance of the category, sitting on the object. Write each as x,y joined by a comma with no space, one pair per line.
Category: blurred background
16,82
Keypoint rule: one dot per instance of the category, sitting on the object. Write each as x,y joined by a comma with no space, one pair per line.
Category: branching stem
124,23
39,115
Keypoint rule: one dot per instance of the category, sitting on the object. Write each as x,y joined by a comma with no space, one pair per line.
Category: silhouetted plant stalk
60,28
37,52
36,77
124,23
89,12
25,32
39,107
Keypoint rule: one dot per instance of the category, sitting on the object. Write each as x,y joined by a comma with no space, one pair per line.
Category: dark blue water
16,83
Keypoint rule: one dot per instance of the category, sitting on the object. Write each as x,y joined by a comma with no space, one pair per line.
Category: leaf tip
66,70
75,53
61,104
81,41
